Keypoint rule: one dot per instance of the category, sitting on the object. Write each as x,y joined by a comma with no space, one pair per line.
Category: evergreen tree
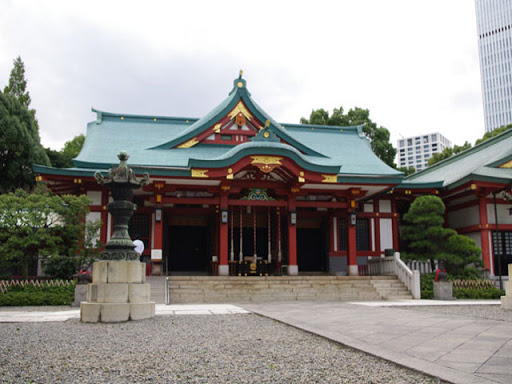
427,239
20,144
17,84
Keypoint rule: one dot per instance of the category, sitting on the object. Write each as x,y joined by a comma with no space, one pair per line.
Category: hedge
36,294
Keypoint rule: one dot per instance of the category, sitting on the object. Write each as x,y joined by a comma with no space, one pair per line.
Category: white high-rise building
415,151
494,24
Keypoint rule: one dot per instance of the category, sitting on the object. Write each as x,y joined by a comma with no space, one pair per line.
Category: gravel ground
488,312
241,348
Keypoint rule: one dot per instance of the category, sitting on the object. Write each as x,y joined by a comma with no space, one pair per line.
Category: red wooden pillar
223,236
394,226
293,268
484,234
352,249
156,251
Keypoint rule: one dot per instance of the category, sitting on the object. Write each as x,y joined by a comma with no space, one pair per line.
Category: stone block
115,293
114,312
117,272
139,293
140,311
508,288
506,303
443,290
80,294
136,272
90,312
107,293
100,272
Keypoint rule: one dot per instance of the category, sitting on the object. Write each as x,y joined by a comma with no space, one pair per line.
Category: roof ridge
100,114
465,153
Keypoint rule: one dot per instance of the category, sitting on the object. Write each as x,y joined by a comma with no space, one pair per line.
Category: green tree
407,170
20,144
427,239
39,223
378,136
18,149
17,86
64,158
448,152
493,133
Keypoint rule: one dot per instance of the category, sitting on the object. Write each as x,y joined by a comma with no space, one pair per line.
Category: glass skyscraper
494,24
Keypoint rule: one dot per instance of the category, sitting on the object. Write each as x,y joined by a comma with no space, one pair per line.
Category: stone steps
233,289
157,288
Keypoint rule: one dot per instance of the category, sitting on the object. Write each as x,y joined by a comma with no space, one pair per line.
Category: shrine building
237,193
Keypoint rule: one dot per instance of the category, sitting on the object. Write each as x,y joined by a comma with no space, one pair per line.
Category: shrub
26,293
487,294
462,288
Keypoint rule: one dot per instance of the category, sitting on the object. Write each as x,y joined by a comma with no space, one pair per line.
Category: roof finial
241,73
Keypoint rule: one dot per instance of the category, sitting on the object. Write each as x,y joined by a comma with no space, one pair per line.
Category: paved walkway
456,349
44,314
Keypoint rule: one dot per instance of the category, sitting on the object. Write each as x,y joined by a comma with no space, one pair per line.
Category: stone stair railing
393,265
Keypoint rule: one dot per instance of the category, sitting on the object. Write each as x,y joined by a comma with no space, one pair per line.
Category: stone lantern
119,291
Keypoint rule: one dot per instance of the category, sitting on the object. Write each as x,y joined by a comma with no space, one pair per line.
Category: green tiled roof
151,142
480,162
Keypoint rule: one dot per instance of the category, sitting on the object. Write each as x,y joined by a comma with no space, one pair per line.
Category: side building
417,150
236,186
475,186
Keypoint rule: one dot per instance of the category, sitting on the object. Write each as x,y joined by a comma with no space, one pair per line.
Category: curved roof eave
274,149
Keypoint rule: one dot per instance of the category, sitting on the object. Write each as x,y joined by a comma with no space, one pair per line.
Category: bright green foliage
17,84
39,223
379,136
407,170
493,133
63,158
448,152
64,266
462,251
427,239
18,295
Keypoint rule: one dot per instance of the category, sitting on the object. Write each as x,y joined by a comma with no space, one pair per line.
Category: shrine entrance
255,235
311,245
188,241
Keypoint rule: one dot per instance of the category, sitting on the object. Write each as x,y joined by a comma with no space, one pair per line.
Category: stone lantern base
118,292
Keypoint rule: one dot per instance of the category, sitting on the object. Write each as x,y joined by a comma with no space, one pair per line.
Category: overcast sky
413,64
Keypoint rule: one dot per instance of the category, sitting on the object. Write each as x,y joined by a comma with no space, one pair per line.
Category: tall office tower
415,151
494,23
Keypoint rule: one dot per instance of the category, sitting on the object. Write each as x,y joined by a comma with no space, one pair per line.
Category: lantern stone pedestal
506,301
118,292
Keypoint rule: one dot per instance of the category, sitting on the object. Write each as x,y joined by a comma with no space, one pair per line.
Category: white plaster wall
94,216
368,208
386,234
504,216
385,206
95,197
476,237
464,217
